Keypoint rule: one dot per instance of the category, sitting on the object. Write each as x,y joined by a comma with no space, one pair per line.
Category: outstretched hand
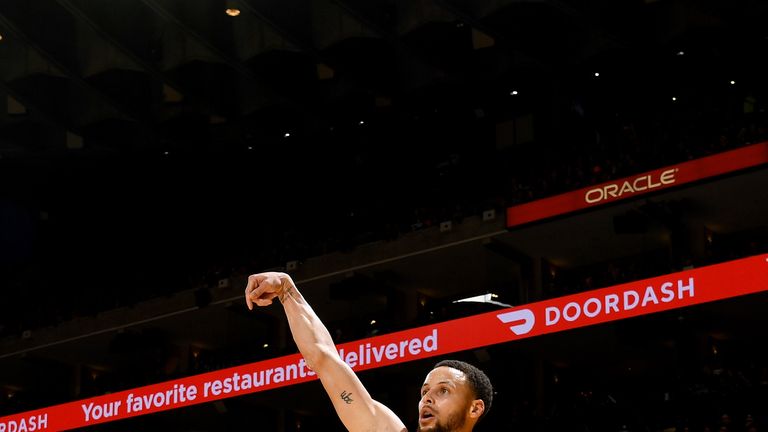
262,288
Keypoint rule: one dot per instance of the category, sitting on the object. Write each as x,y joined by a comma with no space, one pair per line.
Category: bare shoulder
387,420
386,429
404,429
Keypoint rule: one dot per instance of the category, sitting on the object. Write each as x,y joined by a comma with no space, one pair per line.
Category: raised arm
353,404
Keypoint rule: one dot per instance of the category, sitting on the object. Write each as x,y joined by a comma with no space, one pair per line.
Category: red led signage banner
663,178
706,284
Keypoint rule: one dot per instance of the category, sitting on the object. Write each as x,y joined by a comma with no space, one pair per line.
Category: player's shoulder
386,429
387,420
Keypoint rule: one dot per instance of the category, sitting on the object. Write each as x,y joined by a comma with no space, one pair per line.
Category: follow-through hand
262,288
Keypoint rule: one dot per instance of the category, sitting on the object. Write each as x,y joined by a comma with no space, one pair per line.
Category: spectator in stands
454,397
725,422
749,422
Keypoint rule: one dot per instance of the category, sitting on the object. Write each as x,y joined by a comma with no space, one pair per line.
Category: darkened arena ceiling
144,138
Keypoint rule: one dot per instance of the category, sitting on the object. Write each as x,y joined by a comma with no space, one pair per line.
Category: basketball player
454,396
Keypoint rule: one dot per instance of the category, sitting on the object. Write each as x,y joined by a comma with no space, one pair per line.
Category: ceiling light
266,346
733,82
681,53
287,134
362,122
597,74
373,322
233,12
484,298
513,93
674,98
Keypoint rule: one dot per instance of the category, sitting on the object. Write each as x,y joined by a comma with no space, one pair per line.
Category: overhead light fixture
362,122
266,345
484,298
287,134
681,53
733,82
233,12
373,322
597,74
674,99
513,93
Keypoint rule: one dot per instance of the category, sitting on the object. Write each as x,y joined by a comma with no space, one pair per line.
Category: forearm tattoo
286,292
346,397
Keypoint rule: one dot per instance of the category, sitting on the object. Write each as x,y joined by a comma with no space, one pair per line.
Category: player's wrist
286,288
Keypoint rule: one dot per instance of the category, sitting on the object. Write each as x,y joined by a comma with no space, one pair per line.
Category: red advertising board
677,290
652,181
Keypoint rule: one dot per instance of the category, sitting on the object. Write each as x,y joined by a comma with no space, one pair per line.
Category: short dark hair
478,381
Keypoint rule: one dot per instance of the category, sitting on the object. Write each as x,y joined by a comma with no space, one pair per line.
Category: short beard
454,422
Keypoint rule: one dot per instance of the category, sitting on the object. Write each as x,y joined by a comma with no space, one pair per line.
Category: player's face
446,400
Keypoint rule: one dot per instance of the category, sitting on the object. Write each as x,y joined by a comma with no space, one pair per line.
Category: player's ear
476,409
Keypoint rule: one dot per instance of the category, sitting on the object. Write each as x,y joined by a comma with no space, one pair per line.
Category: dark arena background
570,194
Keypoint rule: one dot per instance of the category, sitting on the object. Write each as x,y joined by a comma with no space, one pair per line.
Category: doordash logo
524,320
598,306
